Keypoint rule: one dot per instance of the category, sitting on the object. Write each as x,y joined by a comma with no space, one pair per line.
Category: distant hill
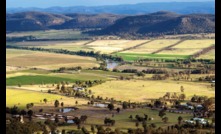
88,21
129,9
31,21
28,21
159,23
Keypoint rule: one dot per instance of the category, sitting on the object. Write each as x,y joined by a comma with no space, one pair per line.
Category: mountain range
129,9
157,23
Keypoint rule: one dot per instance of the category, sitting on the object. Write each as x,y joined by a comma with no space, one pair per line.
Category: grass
196,44
141,90
47,60
108,46
35,79
208,55
15,96
152,46
135,56
123,122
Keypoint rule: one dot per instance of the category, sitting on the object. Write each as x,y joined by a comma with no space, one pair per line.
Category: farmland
15,96
189,47
46,60
141,91
152,46
32,74
128,50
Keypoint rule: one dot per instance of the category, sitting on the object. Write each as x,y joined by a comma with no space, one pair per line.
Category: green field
136,56
38,79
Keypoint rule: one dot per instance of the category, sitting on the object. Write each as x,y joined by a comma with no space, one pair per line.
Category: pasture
208,55
152,46
96,116
142,90
109,46
189,47
21,97
46,60
137,56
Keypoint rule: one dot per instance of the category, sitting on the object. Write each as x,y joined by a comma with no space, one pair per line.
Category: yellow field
72,46
108,46
179,51
140,90
152,46
47,60
15,96
195,44
208,55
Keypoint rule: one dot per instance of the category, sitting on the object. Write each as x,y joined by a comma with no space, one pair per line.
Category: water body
65,110
100,105
70,121
111,64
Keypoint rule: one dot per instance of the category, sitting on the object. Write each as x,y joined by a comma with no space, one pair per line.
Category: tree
92,129
56,103
45,100
118,109
131,117
23,112
62,104
162,113
30,113
182,97
180,120
110,106
182,89
76,102
165,119
40,110
125,105
137,124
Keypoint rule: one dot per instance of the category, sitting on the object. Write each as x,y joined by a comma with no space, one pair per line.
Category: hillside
161,23
31,21
88,21
27,21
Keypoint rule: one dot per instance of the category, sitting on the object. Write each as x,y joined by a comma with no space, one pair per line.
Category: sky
68,3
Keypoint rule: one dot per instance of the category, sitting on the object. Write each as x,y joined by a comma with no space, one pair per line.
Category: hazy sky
67,3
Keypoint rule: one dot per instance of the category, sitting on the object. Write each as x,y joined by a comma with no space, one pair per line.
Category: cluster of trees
22,38
109,122
62,69
160,77
16,127
63,51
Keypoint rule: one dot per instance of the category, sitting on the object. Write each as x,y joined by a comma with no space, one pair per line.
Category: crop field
195,44
51,34
35,79
71,46
109,46
21,97
136,56
46,60
140,90
189,47
152,46
208,55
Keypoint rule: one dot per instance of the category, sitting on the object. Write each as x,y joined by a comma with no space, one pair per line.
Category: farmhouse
78,88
